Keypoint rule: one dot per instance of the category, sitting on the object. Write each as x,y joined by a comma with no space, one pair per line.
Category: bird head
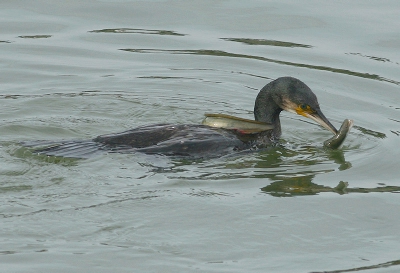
296,97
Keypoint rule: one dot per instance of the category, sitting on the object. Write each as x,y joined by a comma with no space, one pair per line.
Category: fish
246,126
337,140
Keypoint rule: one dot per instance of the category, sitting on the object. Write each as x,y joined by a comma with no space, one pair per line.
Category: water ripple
220,53
138,31
248,41
363,268
34,36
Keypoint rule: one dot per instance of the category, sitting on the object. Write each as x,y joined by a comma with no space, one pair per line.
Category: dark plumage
200,141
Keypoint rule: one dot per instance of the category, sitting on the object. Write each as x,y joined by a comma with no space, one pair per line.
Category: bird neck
267,110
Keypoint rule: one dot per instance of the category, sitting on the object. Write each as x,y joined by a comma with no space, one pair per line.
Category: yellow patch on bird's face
304,110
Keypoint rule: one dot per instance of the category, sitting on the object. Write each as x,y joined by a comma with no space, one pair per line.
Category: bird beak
318,117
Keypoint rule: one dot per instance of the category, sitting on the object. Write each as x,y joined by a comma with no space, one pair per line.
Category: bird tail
69,149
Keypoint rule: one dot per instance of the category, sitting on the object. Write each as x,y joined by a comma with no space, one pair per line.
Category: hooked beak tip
323,121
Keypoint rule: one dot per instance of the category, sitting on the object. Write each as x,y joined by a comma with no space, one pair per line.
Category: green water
78,69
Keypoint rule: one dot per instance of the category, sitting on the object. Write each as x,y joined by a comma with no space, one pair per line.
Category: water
74,70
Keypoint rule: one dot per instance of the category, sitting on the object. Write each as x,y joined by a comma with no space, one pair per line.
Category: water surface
75,70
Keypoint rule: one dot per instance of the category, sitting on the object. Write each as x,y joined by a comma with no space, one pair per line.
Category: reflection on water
220,53
290,172
138,31
300,183
26,153
6,189
356,269
34,36
379,59
370,132
248,41
276,163
297,186
397,133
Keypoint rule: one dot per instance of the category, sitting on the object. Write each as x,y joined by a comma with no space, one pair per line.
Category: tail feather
70,149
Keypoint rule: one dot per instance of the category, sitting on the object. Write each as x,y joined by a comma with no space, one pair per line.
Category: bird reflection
301,183
300,186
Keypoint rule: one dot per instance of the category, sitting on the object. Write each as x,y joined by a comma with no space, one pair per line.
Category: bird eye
304,106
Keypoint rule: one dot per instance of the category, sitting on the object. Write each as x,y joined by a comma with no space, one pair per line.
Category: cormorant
204,141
